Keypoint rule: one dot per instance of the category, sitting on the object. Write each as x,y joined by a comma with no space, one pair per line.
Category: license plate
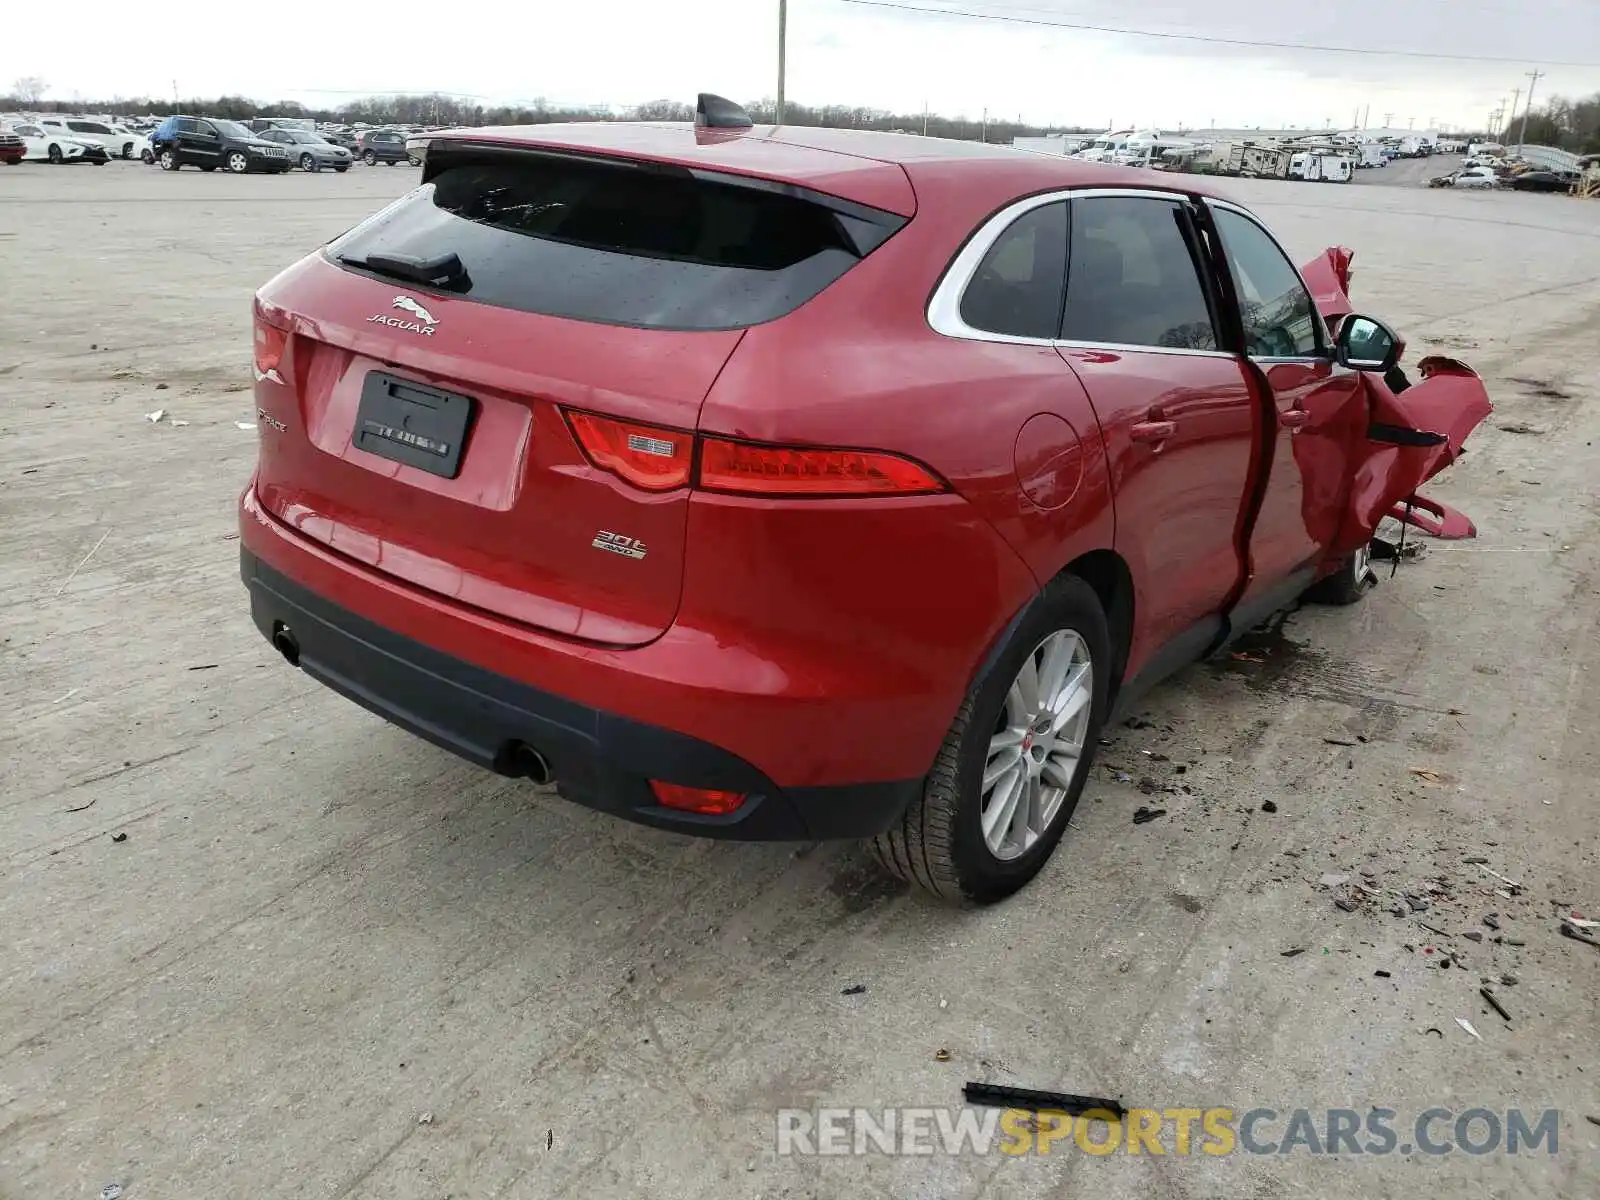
406,422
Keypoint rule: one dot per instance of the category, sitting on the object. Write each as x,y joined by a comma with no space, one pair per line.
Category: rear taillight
654,459
270,344
760,470
710,802
659,460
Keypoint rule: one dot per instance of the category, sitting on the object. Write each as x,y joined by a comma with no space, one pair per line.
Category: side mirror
1366,345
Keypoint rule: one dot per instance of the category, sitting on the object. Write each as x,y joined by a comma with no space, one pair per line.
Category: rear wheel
370,158
1353,580
1015,759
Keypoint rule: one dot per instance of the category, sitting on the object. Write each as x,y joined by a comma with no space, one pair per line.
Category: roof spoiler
716,112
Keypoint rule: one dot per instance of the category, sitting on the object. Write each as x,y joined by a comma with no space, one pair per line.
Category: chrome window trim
944,307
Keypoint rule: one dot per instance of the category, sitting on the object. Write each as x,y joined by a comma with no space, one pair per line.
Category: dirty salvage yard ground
253,940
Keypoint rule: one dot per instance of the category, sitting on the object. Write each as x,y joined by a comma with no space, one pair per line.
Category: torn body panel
1411,435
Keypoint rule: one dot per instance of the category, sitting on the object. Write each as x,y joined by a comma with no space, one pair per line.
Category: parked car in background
12,148
211,142
1543,181
1468,177
560,473
309,151
49,145
383,146
117,141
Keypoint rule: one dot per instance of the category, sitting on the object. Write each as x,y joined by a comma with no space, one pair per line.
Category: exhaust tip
283,640
518,760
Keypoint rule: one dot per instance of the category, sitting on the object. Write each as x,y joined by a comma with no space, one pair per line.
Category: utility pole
1387,117
1366,117
174,93
1516,94
1533,78
783,34
983,135
924,118
1413,124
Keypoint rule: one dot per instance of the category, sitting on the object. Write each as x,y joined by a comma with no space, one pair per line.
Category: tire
1353,580
308,162
168,160
208,169
391,162
939,843
147,156
370,158
238,162
55,154
342,168
127,150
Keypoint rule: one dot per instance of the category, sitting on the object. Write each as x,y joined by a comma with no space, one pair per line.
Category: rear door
1178,416
1321,415
490,388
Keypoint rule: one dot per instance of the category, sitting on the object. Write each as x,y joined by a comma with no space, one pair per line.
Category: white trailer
1321,167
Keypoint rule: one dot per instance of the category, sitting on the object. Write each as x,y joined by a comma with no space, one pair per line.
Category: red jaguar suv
782,483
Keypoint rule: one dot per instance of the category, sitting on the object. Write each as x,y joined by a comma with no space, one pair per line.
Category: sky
625,52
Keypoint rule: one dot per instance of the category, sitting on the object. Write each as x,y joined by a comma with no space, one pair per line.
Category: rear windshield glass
619,244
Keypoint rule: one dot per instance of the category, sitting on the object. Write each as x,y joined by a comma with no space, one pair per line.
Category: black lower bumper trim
599,759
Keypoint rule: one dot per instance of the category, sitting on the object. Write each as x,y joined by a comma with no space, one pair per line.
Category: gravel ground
252,937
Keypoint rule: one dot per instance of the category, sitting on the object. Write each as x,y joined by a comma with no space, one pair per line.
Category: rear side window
623,244
1276,310
1132,279
1016,289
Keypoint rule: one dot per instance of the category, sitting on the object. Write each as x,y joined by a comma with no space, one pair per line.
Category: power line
979,15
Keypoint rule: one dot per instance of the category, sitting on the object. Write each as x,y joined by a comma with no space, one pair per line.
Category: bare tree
30,89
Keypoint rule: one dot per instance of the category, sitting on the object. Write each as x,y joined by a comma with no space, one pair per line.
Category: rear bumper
600,759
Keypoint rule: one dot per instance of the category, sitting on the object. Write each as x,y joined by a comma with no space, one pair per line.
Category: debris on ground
1381,974
1593,1120
549,1139
1473,935
1339,741
204,667
992,1095
1494,1004
425,1119
1508,881
1432,1029
1568,929
1416,902
1467,1025
1474,860
111,1191
1292,951
119,837
1520,427
1241,656
855,989
1145,815
1267,806
244,424
1427,775
1148,786
155,417
941,1055
1492,920
1389,551
1508,980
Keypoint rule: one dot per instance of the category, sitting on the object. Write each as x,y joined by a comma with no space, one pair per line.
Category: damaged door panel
1414,430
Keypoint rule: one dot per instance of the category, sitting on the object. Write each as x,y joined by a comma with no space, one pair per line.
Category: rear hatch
489,389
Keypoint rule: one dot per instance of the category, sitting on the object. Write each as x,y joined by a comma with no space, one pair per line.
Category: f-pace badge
424,324
616,543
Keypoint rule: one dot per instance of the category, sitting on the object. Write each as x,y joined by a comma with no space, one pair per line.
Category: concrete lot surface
253,941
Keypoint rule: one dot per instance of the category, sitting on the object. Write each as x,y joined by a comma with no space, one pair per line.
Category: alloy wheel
1037,743
237,163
